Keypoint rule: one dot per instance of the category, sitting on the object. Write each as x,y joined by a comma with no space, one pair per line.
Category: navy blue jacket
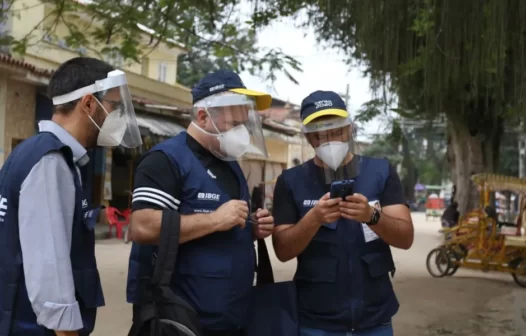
343,282
16,314
214,273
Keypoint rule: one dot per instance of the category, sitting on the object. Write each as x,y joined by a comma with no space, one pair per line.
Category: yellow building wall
20,117
48,54
277,150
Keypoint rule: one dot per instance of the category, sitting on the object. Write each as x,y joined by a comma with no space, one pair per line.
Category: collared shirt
45,219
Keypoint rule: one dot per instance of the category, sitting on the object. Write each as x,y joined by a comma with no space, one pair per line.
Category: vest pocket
88,289
315,283
206,280
323,245
377,284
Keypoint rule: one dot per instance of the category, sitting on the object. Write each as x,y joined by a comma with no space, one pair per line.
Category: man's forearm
290,242
196,226
146,226
394,231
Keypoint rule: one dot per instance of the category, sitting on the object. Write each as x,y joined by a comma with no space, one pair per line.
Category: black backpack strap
264,271
168,248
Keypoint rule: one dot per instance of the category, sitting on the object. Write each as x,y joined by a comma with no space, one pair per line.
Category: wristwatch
375,218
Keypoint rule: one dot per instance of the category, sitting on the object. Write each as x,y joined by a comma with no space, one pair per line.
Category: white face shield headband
120,126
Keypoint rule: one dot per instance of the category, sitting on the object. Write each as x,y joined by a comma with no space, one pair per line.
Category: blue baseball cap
321,104
224,80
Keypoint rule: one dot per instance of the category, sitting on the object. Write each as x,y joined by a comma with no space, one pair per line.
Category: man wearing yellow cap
339,213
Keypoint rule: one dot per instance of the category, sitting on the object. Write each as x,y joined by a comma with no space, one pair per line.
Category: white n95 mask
235,141
332,153
112,130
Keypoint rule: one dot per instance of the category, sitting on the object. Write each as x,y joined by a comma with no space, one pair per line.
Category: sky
323,69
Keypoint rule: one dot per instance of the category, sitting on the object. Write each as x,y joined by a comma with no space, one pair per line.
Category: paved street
470,303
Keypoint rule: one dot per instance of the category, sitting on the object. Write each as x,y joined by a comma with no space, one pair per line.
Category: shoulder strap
168,248
264,270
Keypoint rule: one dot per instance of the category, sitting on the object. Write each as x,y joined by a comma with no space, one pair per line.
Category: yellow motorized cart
487,238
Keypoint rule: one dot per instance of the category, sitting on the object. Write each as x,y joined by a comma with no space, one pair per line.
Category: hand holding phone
342,189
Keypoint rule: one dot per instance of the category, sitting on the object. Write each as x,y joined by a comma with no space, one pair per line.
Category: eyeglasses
115,105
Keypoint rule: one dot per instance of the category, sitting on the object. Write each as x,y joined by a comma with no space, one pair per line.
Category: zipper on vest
352,319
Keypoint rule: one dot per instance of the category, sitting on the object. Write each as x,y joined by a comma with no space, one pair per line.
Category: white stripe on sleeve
152,201
155,196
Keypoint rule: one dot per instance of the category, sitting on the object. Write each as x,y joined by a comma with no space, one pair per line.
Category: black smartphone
342,189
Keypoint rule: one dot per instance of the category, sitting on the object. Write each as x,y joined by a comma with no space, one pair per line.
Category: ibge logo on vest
3,208
206,197
310,203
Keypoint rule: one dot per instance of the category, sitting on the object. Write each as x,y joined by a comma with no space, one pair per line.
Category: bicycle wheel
519,275
438,257
453,268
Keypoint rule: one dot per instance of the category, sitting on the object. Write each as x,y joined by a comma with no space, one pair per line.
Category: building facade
23,83
162,105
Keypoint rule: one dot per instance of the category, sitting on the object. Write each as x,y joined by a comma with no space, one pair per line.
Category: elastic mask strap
104,109
213,124
202,130
212,120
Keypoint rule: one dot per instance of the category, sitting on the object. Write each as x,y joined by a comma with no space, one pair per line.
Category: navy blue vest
214,273
16,314
342,282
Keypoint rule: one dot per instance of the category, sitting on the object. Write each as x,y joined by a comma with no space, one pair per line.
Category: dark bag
163,313
274,309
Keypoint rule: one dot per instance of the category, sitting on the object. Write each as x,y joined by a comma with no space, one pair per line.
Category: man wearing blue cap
340,226
196,177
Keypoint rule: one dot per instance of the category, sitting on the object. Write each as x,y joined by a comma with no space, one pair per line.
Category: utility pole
346,96
522,151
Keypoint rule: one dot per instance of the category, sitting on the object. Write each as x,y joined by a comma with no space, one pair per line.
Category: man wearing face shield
339,213
49,282
195,177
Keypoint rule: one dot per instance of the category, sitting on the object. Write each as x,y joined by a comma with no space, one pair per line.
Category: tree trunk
410,178
471,153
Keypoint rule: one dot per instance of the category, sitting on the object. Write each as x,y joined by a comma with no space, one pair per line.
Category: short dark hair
74,74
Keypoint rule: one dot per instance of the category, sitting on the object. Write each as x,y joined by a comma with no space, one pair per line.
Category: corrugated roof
159,126
9,60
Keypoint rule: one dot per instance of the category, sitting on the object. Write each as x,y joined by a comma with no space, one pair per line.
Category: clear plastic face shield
336,152
233,126
119,126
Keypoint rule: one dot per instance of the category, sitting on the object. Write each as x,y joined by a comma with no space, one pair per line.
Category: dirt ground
470,303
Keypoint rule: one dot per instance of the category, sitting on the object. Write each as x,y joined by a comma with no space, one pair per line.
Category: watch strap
375,217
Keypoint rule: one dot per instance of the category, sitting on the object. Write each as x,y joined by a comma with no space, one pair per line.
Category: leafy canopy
213,32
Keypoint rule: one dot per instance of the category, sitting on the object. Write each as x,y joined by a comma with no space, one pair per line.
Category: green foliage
462,58
424,151
211,31
234,49
382,147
